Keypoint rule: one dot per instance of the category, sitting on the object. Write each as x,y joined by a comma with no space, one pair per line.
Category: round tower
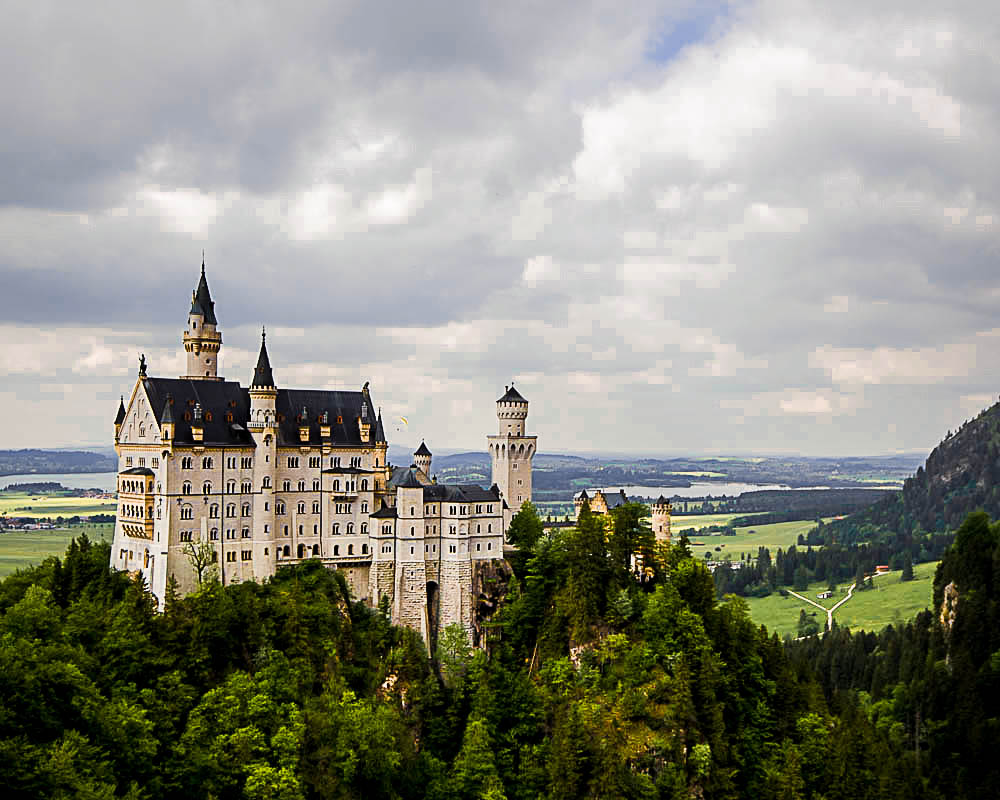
661,519
511,452
202,339
422,459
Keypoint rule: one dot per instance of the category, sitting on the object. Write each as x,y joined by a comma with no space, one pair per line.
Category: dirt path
824,609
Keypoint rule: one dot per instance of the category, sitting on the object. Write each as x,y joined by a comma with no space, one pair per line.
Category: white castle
268,476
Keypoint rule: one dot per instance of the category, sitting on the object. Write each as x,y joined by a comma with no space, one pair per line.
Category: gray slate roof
262,375
422,450
202,303
461,493
512,396
219,398
120,416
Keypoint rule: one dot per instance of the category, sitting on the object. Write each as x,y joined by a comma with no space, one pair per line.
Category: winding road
828,611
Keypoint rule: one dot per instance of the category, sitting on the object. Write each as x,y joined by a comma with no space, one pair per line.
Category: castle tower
422,459
202,340
263,427
661,519
511,452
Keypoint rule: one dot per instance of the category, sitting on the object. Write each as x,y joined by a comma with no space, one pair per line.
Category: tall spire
201,302
379,430
120,417
262,376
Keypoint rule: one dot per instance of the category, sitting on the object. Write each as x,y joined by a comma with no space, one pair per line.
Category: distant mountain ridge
34,462
962,474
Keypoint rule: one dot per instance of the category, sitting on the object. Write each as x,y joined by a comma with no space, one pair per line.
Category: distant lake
71,480
717,489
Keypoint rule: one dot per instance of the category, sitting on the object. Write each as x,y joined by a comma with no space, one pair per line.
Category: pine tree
907,567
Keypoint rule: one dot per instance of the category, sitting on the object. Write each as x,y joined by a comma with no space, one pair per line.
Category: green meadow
19,549
21,504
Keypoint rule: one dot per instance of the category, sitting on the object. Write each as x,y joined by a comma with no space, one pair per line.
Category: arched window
231,510
246,487
336,486
206,487
266,484
287,551
315,549
279,507
315,530
300,530
301,508
336,549
315,484
187,512
350,549
364,527
364,485
286,486
246,510
336,528
301,550
302,486
364,549
350,528
213,511
186,488
231,487
186,462
214,535
206,463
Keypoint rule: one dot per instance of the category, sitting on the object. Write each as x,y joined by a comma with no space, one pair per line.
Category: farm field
869,610
18,504
747,540
19,549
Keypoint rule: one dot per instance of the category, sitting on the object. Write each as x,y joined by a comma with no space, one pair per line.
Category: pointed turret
202,339
379,430
201,298
120,416
262,375
422,459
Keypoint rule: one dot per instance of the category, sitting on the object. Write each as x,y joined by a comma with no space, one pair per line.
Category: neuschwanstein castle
267,476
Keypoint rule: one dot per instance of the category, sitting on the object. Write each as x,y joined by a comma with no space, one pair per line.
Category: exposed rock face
949,606
490,583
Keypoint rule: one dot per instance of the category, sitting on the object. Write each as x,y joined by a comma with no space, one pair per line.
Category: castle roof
385,512
409,480
201,302
512,396
461,493
379,430
661,500
262,375
168,414
139,471
422,450
120,416
221,398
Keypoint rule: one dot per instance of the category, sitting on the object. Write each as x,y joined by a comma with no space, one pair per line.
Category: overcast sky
679,228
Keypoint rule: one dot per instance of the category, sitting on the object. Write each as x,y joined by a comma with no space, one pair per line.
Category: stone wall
456,594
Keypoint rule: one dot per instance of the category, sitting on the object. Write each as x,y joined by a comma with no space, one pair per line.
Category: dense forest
596,681
931,686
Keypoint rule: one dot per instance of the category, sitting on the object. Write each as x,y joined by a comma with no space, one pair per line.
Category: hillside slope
962,474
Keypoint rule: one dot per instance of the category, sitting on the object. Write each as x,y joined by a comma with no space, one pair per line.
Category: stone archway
433,616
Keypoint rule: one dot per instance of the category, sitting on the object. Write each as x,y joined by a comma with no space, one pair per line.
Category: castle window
266,483
364,527
350,549
206,487
315,530
142,461
156,462
364,549
186,536
214,535
413,531
246,462
514,465
231,487
336,528
142,430
335,461
246,487
364,508
286,486
387,528
350,528
215,557
265,551
293,462
489,527
302,486
285,533
364,485
336,549
186,488
230,533
451,548
229,416
314,461
300,530
185,462
489,545
451,510
315,549
316,507
246,510
478,547
231,510
340,419
316,484
411,551
336,486
267,529
213,511
230,556
246,555
489,509
206,463
245,533
479,528
128,461
301,508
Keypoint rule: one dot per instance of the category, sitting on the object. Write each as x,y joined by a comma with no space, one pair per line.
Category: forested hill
962,474
35,462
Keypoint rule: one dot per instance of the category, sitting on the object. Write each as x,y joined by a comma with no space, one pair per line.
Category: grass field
890,601
747,540
20,549
18,504
679,522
